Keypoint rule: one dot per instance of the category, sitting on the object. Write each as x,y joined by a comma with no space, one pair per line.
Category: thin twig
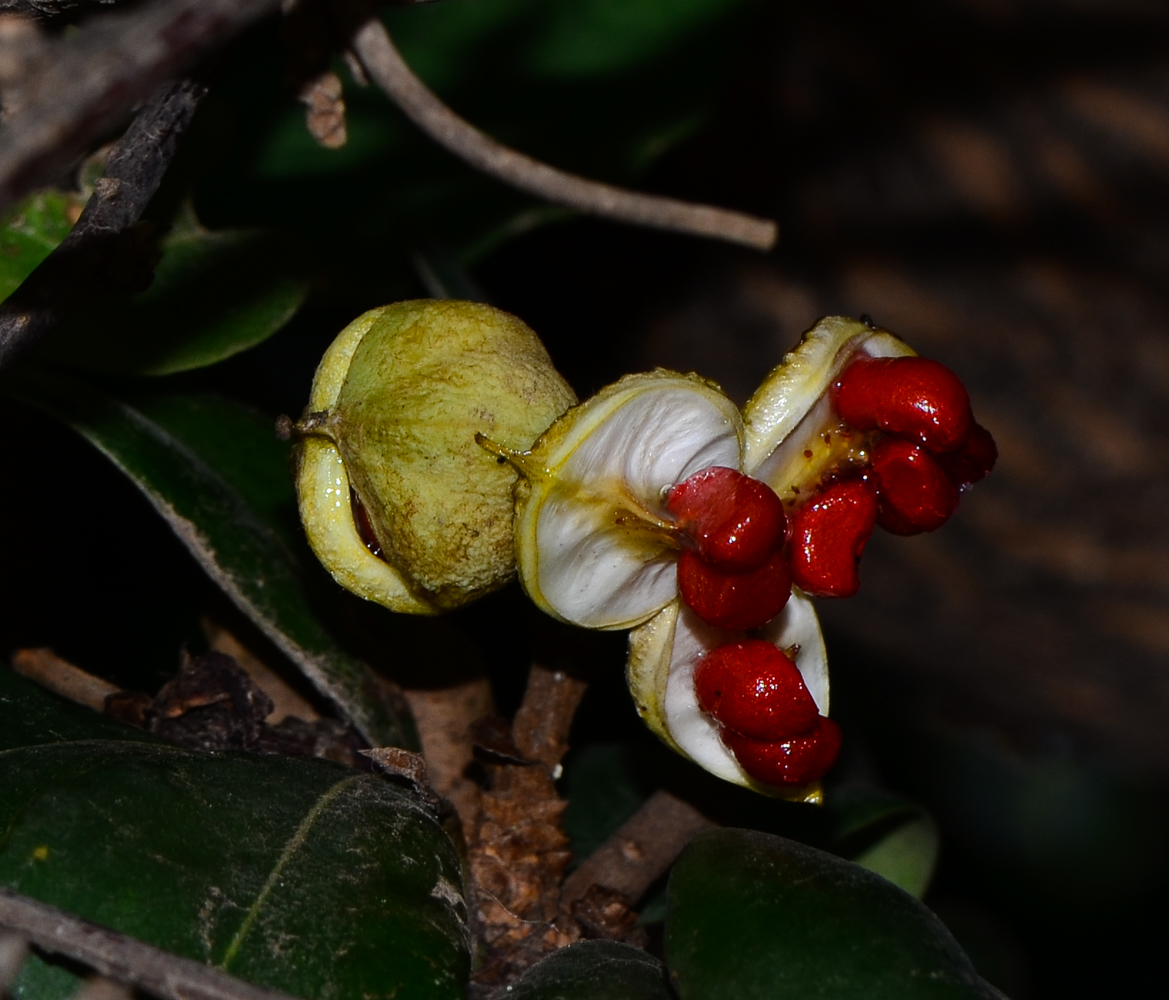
122,958
89,82
444,719
100,988
88,261
385,65
13,954
46,668
640,851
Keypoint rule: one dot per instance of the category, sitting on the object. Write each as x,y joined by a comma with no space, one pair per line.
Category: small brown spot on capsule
807,453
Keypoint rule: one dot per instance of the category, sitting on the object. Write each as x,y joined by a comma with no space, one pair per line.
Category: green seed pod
394,410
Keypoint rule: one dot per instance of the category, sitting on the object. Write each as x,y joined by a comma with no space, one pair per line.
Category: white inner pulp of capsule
606,555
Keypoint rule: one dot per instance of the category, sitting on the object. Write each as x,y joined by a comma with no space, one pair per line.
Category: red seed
915,397
913,491
828,535
735,521
973,460
754,689
795,761
734,600
364,525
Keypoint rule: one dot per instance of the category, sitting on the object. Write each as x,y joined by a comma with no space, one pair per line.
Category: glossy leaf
233,543
753,916
594,970
301,875
214,294
240,444
30,232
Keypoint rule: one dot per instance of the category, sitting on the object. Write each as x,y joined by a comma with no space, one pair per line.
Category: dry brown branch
286,701
102,252
325,109
518,853
100,988
13,953
122,958
49,8
87,83
46,668
385,66
638,853
444,719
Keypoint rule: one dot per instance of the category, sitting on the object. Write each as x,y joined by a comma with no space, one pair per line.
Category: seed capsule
394,410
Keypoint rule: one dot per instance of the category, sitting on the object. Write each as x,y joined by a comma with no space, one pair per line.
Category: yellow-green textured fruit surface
406,388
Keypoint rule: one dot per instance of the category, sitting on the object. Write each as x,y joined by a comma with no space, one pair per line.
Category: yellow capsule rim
322,488
773,414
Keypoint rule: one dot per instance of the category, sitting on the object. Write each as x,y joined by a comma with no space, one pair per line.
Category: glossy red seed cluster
741,555
767,718
927,450
732,573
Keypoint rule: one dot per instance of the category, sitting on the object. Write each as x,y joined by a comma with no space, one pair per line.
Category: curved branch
382,61
121,958
85,84
93,258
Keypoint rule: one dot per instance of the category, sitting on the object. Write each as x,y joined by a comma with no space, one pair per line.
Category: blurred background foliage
985,177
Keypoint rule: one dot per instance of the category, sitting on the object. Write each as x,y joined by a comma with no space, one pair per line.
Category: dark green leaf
601,88
594,37
602,793
301,875
240,444
30,232
594,970
238,549
214,294
757,917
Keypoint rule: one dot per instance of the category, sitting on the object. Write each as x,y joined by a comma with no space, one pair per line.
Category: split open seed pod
792,434
598,547
398,501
